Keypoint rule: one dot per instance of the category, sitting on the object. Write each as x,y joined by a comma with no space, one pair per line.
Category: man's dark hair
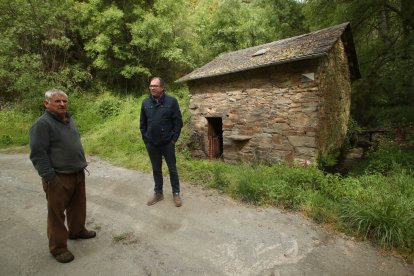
160,79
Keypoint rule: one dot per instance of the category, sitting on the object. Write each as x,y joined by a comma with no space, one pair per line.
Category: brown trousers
64,192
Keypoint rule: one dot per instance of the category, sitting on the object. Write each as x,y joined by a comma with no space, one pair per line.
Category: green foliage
327,160
251,187
354,130
385,221
390,157
278,185
118,137
14,127
108,106
182,95
39,49
374,206
230,25
383,211
219,179
218,26
74,45
337,188
401,115
384,35
132,41
90,47
317,206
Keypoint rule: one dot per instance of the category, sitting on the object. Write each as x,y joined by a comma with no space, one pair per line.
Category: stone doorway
215,137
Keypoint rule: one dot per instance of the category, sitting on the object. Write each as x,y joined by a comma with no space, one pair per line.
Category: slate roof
307,46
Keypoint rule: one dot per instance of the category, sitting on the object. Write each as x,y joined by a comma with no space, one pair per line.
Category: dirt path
209,235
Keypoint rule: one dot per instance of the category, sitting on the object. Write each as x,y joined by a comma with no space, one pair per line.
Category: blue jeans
155,154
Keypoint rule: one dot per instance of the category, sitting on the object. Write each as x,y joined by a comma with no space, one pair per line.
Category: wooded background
87,46
103,53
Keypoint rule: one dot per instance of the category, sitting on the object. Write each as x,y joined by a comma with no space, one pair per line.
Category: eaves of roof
308,46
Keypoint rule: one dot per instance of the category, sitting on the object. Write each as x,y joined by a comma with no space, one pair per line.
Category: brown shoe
177,200
64,257
157,197
86,234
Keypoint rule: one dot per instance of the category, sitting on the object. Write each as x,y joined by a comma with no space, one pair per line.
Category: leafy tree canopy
83,45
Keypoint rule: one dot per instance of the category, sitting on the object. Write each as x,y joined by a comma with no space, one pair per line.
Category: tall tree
132,40
164,38
383,31
39,47
228,25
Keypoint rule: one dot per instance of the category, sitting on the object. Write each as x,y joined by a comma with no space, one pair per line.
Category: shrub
341,189
108,106
400,115
387,219
383,209
389,157
219,179
319,207
279,185
119,138
304,178
327,160
354,130
249,187
14,127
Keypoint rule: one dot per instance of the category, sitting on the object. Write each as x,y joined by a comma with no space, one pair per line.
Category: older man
160,125
58,156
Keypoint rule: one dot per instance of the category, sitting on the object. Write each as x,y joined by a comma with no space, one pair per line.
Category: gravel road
210,234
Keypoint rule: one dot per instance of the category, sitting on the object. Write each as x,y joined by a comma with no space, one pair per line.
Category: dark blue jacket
161,121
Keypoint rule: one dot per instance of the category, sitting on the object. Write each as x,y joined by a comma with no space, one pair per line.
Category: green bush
118,137
340,189
279,185
6,140
320,208
388,219
354,130
327,160
14,127
108,106
401,115
250,186
304,178
389,157
382,211
219,179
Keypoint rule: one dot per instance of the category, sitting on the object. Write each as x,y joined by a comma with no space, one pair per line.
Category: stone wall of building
335,88
269,114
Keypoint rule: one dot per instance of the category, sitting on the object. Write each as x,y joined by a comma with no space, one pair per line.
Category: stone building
287,100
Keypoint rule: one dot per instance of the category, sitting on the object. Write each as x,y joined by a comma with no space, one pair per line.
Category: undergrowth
374,202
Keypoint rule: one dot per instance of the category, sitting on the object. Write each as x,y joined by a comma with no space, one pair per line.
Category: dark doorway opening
215,137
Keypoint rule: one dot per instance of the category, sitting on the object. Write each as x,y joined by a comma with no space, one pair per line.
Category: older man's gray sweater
55,146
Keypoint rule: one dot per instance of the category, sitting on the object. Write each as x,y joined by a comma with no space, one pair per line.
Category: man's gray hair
50,93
